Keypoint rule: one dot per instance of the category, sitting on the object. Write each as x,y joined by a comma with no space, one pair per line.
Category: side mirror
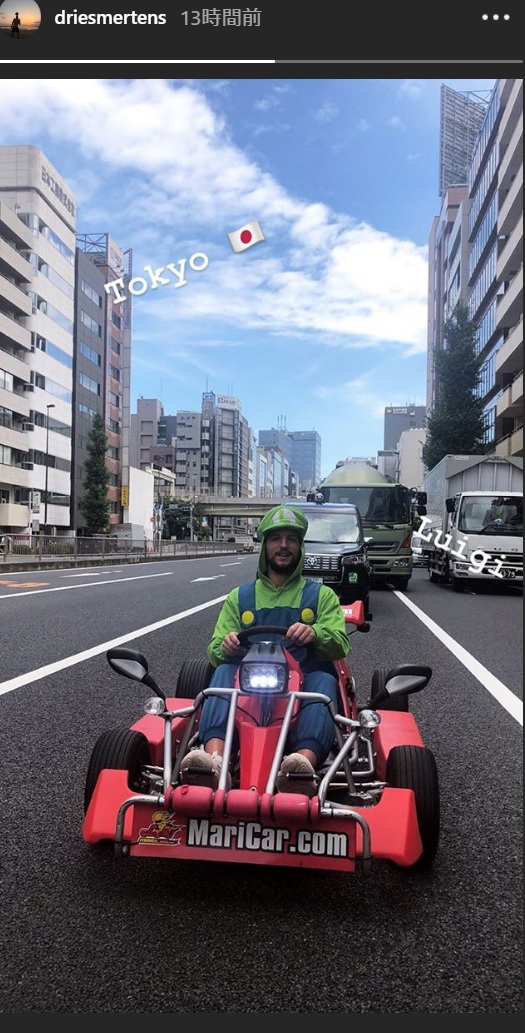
404,679
422,510
132,664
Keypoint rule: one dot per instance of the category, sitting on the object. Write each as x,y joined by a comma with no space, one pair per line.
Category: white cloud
179,184
411,87
326,113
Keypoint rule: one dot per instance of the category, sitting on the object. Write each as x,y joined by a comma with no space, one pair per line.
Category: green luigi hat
283,516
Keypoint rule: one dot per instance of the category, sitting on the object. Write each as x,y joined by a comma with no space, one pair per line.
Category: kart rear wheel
414,767
194,676
399,703
119,750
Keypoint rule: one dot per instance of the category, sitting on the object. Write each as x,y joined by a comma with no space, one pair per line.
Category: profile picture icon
19,19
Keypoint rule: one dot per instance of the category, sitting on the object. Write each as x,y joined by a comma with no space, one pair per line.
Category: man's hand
301,634
230,644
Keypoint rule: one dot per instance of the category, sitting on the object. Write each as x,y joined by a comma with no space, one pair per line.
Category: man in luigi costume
312,614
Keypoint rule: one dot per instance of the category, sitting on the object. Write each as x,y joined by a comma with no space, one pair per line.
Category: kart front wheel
119,750
194,676
414,767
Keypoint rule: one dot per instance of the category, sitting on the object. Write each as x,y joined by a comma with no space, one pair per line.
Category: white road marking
236,564
212,578
87,654
92,573
67,588
508,700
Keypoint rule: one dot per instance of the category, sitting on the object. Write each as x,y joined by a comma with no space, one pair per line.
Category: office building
37,290
145,431
102,369
448,275
306,458
508,359
476,254
301,453
231,445
461,118
210,451
399,418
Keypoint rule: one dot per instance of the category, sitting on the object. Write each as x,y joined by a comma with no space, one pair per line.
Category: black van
336,549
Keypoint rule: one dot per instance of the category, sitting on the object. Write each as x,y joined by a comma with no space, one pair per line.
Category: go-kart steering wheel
263,629
246,634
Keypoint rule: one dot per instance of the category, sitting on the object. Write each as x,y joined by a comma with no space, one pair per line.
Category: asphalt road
83,932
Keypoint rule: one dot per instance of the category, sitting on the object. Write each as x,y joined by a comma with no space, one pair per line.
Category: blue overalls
313,729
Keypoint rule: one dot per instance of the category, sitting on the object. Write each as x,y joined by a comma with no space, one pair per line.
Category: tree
176,519
456,424
95,504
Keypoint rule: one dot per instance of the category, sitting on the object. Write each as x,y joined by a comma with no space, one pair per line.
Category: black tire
457,584
397,703
119,750
401,583
194,676
414,767
435,578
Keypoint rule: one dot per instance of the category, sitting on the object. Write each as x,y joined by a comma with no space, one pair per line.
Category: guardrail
33,549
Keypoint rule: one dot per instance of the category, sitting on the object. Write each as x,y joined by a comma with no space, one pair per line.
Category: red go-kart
377,797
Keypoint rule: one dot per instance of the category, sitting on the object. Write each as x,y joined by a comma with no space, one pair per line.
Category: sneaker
199,768
297,776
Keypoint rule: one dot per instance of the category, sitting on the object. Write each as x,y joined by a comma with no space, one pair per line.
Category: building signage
400,410
228,402
58,191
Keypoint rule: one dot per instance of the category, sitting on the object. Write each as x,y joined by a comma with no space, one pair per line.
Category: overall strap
247,604
309,601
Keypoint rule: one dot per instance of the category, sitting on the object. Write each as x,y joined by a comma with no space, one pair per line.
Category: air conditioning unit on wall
28,426
27,466
29,387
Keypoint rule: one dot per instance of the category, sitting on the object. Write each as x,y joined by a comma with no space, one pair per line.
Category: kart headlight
266,679
369,718
154,705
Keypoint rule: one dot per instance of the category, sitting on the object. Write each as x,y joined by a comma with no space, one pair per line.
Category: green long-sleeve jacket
332,641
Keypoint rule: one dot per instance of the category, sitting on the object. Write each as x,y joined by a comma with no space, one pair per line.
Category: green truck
390,513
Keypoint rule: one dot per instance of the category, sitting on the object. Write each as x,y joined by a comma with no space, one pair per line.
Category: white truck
473,530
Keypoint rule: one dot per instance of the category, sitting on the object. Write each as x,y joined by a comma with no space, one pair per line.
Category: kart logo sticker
162,828
252,836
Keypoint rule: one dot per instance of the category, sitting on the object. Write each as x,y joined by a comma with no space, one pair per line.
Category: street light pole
48,407
192,507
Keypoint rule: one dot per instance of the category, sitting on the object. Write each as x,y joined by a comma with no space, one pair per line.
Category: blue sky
322,324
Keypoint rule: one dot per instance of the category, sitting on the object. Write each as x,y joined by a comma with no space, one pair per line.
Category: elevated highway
252,506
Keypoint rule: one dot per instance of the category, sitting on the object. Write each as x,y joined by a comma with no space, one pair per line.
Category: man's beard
283,567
